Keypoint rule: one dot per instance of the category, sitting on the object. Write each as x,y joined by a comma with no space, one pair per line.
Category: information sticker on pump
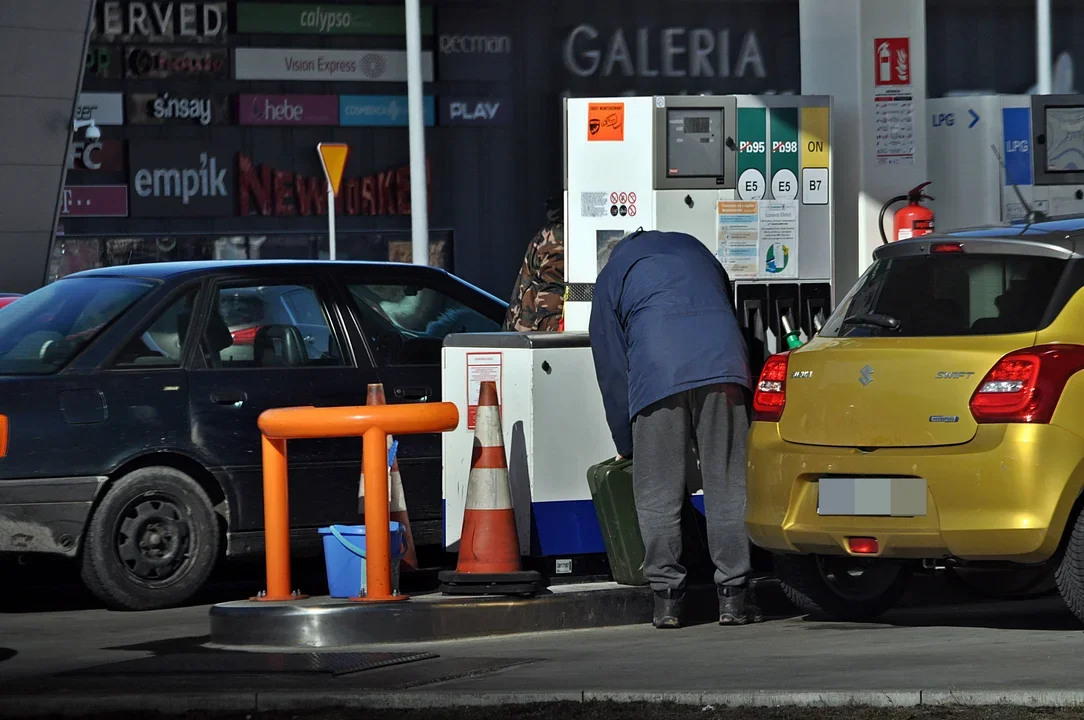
482,367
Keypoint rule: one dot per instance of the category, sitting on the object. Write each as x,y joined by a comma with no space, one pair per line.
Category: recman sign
159,22
326,65
180,179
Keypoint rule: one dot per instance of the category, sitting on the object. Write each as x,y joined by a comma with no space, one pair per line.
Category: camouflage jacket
539,295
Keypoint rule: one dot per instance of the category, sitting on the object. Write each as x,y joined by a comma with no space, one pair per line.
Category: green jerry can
615,505
610,483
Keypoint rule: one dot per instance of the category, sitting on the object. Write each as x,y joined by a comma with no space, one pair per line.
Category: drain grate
239,663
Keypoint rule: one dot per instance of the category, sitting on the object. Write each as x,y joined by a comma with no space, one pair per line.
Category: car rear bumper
46,515
1005,495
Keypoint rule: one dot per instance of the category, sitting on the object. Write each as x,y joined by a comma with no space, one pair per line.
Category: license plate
872,496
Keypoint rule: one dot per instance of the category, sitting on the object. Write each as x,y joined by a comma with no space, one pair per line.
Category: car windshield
950,294
41,332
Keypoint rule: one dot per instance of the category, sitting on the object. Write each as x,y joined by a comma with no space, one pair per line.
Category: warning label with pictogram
606,121
481,367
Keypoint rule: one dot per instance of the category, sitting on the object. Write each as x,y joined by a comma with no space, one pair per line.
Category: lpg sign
1017,136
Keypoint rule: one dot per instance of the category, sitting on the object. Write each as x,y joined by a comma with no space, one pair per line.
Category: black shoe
733,608
669,608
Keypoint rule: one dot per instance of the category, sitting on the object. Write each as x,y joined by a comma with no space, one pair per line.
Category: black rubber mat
235,663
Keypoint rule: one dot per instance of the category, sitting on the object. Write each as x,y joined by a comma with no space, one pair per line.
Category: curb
292,700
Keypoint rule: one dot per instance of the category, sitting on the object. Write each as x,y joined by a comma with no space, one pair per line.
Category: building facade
210,113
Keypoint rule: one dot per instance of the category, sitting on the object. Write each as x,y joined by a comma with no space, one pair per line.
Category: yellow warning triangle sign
333,158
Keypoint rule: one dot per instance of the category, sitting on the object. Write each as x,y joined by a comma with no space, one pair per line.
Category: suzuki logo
867,376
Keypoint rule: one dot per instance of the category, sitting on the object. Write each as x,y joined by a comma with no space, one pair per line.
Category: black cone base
523,583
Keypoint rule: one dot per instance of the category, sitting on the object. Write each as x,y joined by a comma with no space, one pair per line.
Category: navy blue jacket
662,321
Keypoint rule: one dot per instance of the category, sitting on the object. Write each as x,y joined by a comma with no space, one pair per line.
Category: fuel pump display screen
694,143
1064,139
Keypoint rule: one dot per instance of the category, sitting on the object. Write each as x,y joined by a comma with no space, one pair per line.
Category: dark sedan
129,397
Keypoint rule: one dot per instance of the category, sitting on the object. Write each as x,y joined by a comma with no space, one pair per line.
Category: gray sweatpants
712,422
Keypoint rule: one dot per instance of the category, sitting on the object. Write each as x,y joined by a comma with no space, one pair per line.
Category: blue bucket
344,558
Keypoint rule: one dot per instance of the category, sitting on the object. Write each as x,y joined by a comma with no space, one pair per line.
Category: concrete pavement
983,653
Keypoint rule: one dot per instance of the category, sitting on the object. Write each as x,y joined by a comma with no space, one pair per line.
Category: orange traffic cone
489,561
396,496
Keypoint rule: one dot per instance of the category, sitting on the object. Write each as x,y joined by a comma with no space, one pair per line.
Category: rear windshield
948,294
41,332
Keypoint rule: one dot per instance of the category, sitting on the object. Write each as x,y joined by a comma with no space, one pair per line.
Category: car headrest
217,335
279,345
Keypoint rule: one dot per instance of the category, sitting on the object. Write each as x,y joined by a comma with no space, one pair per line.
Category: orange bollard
373,424
397,496
377,544
276,521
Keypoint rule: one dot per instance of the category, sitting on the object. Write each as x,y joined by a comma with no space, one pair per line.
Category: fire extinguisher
910,221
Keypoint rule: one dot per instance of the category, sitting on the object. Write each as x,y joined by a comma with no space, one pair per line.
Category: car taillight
771,391
949,247
1025,385
247,336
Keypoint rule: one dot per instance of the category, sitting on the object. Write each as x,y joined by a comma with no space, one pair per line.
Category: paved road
1033,645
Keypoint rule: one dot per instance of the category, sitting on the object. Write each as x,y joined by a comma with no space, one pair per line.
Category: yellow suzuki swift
938,416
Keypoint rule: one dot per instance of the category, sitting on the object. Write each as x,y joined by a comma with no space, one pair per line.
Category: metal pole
419,215
330,221
1044,55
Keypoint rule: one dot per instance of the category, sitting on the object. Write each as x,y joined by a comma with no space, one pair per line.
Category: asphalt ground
940,650
619,711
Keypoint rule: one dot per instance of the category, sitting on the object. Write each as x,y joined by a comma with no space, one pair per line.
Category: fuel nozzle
790,335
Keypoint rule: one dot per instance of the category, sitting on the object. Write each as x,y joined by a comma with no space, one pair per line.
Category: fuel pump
910,221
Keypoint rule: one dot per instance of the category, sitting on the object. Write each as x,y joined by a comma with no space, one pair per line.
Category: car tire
1069,576
152,542
808,584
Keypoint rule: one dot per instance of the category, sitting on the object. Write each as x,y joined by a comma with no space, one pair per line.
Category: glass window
949,294
406,324
269,326
46,329
162,343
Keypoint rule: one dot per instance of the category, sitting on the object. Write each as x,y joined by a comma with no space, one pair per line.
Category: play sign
475,111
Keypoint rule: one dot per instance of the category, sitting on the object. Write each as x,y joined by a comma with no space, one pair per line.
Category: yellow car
937,417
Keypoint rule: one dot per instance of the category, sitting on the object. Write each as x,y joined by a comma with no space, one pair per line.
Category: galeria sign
297,19
159,22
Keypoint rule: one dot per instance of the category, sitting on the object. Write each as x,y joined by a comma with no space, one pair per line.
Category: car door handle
413,394
229,397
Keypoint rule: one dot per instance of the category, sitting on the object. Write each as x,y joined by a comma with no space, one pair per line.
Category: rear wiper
875,319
